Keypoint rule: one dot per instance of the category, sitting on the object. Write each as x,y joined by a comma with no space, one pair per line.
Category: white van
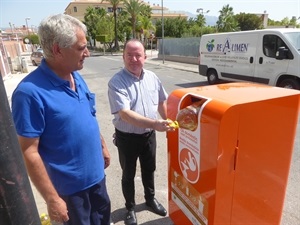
269,56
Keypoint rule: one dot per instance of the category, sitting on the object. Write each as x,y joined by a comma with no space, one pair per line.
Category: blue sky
15,11
276,9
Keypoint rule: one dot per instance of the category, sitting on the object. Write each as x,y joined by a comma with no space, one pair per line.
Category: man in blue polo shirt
55,118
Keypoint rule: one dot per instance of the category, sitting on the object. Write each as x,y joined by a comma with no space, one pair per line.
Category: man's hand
106,156
57,210
105,152
163,125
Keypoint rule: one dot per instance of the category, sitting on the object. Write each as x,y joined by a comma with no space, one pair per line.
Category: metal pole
17,205
26,19
11,28
162,30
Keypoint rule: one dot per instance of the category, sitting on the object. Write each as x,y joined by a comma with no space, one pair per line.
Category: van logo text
232,47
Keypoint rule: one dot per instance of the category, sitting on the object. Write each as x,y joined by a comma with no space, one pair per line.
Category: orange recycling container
233,168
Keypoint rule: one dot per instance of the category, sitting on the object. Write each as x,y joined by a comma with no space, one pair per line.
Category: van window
271,43
294,38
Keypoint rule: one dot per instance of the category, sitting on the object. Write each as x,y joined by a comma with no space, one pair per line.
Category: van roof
280,30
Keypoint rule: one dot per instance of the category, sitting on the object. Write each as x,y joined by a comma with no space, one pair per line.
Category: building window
110,9
75,9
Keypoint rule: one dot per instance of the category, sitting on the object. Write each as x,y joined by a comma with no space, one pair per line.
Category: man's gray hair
58,29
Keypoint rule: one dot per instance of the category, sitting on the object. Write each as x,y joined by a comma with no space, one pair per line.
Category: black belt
144,135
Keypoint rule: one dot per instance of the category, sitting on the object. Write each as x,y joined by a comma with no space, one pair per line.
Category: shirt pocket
91,98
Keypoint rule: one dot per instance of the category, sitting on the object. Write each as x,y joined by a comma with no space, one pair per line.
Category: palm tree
146,27
134,8
201,21
115,4
227,21
124,25
91,20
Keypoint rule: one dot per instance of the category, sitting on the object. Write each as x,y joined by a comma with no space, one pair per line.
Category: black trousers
132,147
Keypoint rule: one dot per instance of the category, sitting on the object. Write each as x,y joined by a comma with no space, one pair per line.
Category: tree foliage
173,27
133,8
105,27
249,21
200,20
33,39
115,4
134,21
227,21
92,18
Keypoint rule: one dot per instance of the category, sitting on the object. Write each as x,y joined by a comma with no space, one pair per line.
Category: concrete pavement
291,207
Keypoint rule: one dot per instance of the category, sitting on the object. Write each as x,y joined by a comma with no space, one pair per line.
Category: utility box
233,168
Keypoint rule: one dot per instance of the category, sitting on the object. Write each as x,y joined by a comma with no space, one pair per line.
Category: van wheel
290,83
212,77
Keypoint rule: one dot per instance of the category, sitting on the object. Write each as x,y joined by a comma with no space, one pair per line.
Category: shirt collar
133,76
53,78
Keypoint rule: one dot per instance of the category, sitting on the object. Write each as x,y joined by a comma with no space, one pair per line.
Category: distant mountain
210,20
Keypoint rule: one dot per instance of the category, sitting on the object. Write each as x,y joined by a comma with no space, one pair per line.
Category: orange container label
183,192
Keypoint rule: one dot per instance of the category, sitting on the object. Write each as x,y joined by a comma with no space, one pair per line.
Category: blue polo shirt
44,106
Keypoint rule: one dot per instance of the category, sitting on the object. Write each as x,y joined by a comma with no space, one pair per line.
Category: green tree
293,22
201,21
146,11
91,19
193,31
33,39
173,27
105,27
124,26
274,22
134,8
115,4
249,21
146,28
285,21
226,21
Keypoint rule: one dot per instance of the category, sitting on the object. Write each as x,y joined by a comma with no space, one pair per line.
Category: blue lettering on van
239,47
227,46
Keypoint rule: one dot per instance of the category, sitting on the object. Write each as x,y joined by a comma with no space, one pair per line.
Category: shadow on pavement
165,221
119,215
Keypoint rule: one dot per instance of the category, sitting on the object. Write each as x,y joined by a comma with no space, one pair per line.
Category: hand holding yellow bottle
45,220
173,124
187,117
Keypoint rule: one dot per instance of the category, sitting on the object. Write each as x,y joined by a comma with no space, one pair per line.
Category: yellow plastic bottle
45,219
187,118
